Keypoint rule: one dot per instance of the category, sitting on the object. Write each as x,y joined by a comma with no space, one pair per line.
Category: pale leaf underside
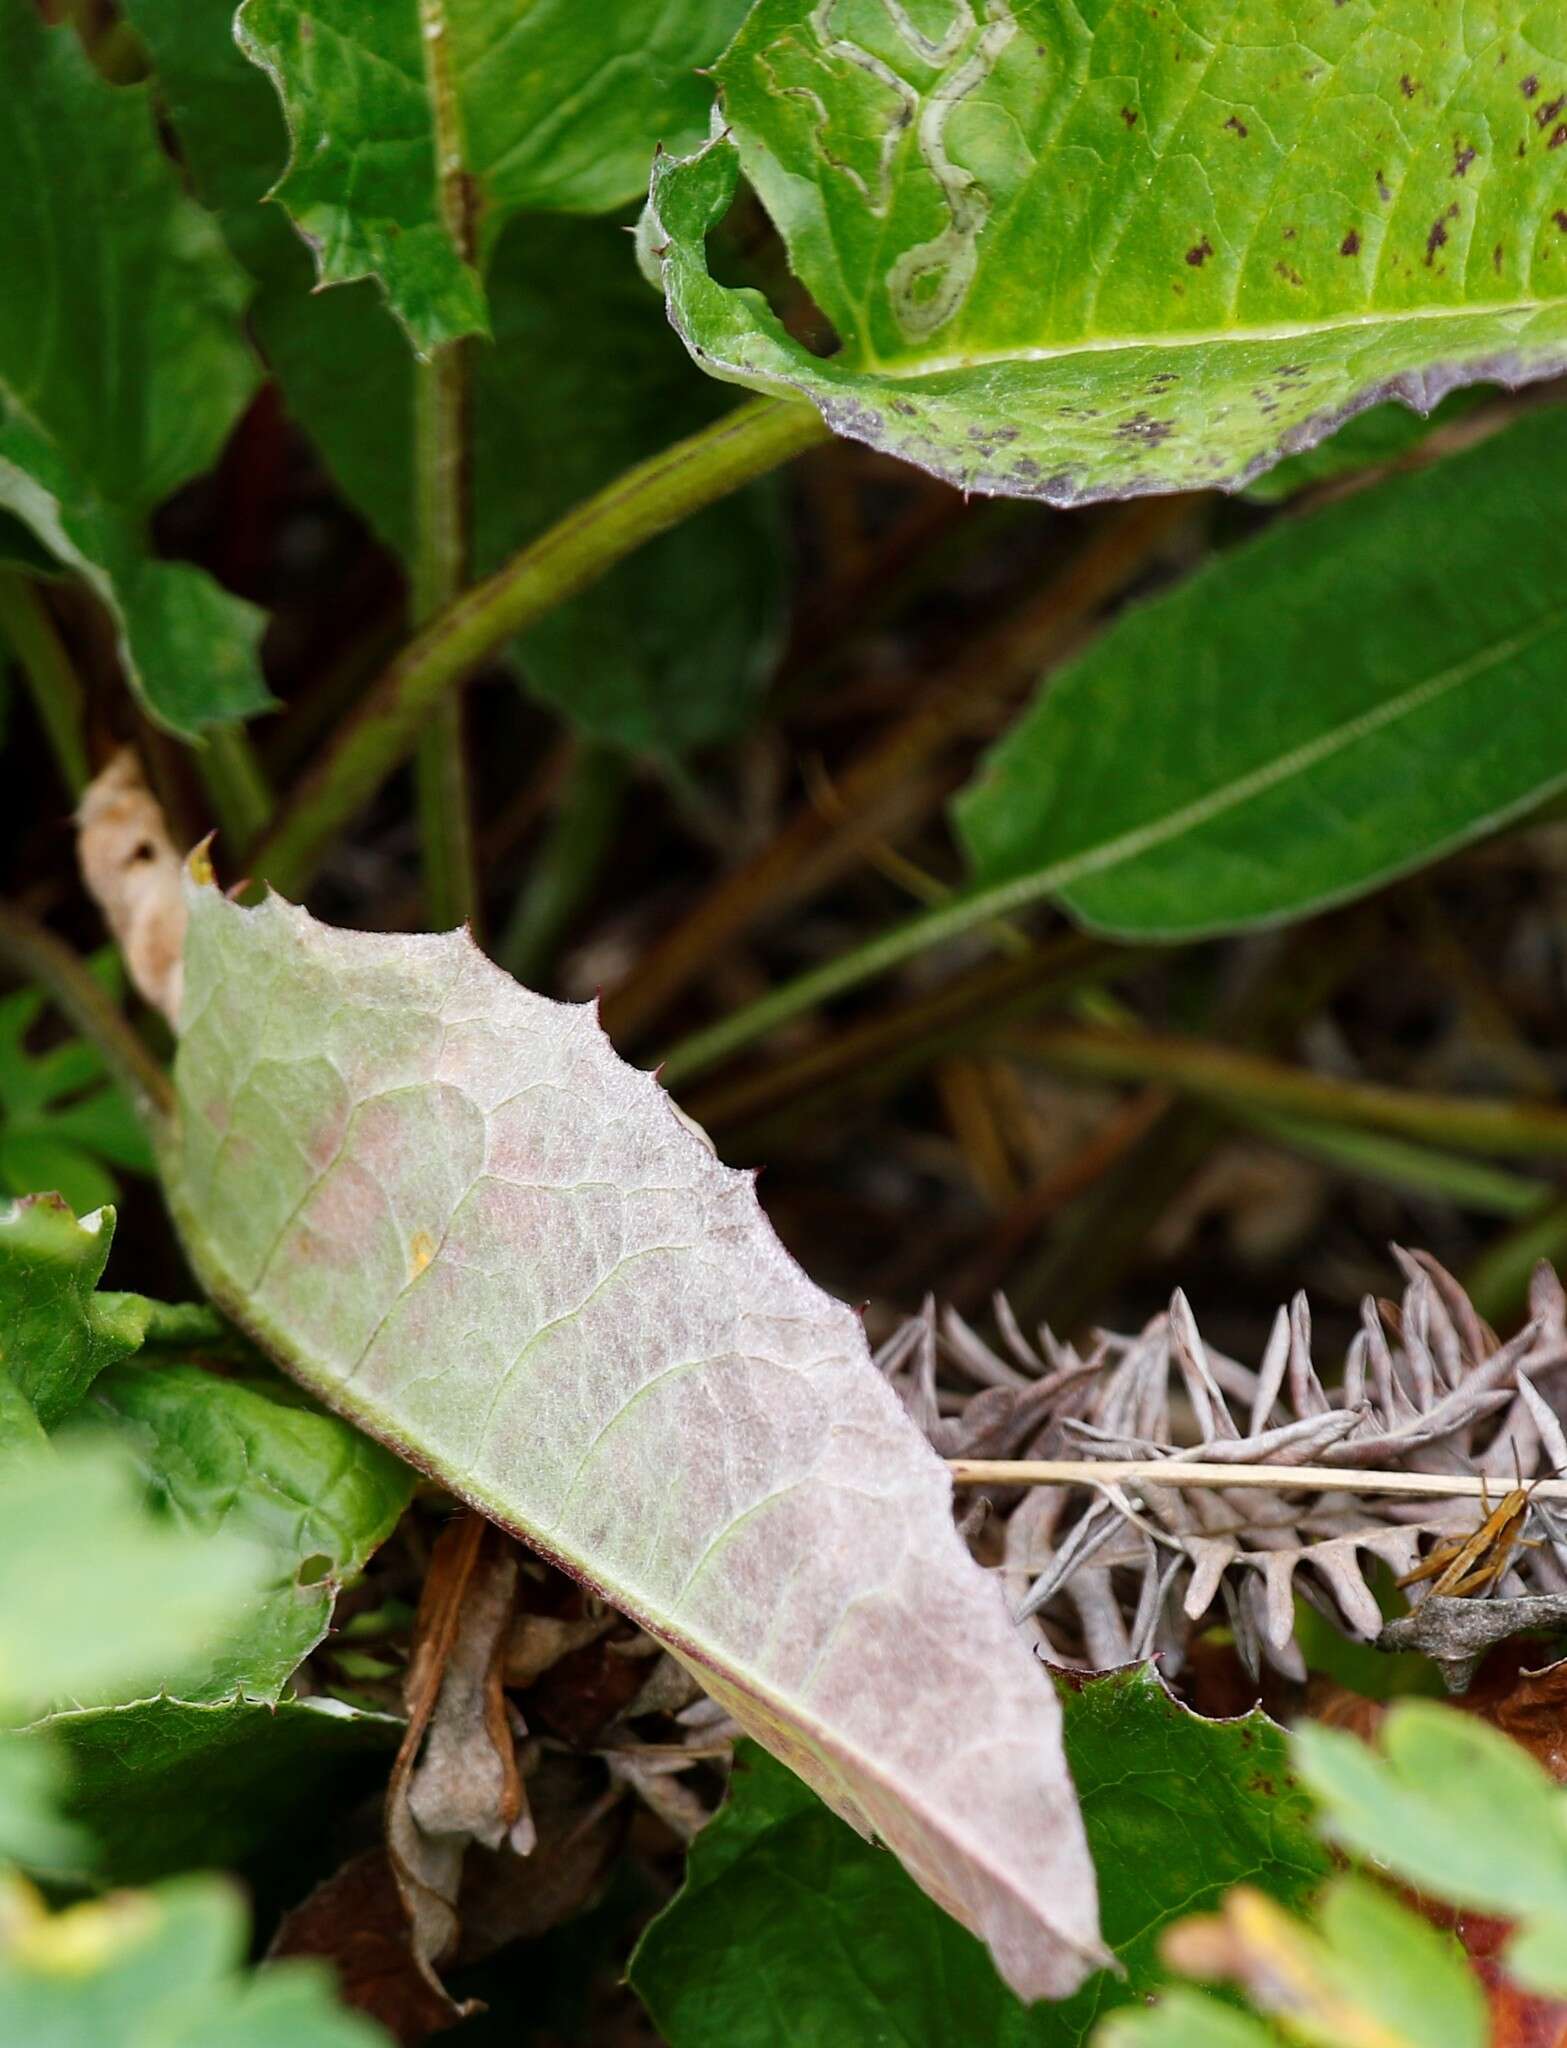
1076,253
448,1208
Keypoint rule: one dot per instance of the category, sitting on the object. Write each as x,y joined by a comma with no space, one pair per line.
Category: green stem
237,783
574,553
704,1049
35,955
567,864
1245,1081
52,682
439,572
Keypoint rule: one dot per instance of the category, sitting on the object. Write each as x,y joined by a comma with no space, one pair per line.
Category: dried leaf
134,876
455,1780
1136,1569
1457,1633
447,1207
355,1920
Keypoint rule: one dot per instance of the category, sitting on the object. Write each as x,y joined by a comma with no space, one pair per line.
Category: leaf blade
565,1255
122,368
1071,260
1299,678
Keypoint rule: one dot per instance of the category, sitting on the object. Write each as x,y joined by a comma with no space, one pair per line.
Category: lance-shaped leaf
122,366
1311,714
421,126
1078,253
449,1209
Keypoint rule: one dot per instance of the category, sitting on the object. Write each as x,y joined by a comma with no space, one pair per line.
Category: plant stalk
439,573
52,681
602,530
1173,1472
237,785
35,955
1233,1078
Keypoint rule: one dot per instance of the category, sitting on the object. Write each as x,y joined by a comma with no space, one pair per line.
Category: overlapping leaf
1306,717
449,1208
672,649
1458,1810
1084,253
163,1966
423,126
122,366
157,1786
63,1121
313,1498
789,1929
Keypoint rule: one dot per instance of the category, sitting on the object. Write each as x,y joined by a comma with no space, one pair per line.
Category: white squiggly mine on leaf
446,1206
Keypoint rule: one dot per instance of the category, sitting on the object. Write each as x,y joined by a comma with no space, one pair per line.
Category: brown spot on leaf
1289,273
1239,127
1350,246
1558,136
1560,218
1529,86
1496,259
1199,253
1129,116
1144,428
1408,86
1438,235
1384,190
1545,115
1463,156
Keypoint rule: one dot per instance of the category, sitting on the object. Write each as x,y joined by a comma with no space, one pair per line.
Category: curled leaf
446,1206
133,874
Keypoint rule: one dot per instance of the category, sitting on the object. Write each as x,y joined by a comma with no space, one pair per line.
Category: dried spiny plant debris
1425,1387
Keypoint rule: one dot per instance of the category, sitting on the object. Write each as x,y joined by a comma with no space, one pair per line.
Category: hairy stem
440,570
575,552
52,681
1175,1472
35,955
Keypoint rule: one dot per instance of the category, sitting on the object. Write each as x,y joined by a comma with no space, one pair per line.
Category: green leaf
96,1596
1370,1974
310,1496
1450,1805
420,124
1308,716
31,1831
56,1333
61,1116
1368,441
790,1929
447,1207
163,1785
672,650
1185,2019
1078,253
122,366
157,1969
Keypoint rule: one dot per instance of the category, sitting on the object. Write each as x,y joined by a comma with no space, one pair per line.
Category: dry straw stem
1172,1472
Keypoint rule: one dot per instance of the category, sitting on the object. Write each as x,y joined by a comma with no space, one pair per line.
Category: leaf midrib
1202,337
1216,803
